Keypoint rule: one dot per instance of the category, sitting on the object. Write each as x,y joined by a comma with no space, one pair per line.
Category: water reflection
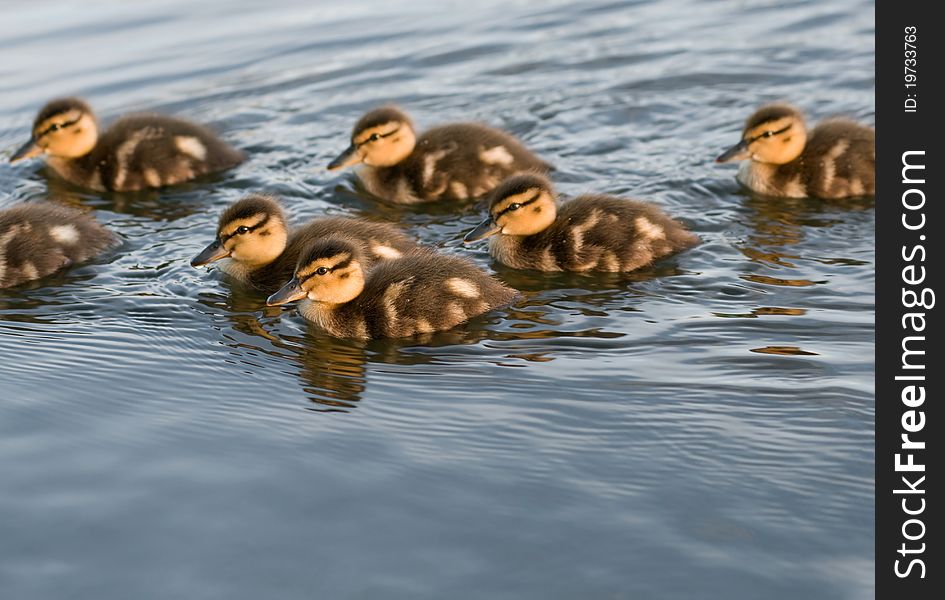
332,371
776,224
777,239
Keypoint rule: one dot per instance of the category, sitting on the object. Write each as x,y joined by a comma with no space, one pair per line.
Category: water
702,429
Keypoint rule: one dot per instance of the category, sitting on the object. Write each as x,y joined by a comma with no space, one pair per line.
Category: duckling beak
345,159
215,251
737,152
290,292
485,229
27,150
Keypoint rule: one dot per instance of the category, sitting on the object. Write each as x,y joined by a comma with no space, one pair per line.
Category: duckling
253,235
419,293
452,162
836,159
136,152
589,233
41,238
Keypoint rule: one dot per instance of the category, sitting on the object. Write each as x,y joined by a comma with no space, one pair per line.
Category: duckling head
252,232
65,128
775,134
382,138
329,270
521,205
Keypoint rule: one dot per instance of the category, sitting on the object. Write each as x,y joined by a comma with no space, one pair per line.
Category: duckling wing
603,233
425,292
840,160
151,151
466,160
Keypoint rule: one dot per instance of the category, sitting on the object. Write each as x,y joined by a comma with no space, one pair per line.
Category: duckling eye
321,270
374,137
515,206
242,229
767,134
54,127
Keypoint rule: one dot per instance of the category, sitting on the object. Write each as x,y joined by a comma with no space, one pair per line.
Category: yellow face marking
255,240
379,146
775,142
334,280
68,135
527,213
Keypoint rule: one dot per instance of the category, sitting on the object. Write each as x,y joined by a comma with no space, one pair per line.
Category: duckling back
452,162
840,160
39,239
596,233
422,292
149,151
381,241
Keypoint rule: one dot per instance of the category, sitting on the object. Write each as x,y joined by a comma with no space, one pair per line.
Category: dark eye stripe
249,228
340,265
521,204
768,134
56,126
379,136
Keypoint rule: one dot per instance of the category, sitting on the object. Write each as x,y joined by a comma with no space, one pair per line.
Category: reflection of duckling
837,159
136,152
451,162
587,233
39,239
252,233
419,293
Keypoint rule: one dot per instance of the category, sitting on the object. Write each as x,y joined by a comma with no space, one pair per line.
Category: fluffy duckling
419,293
836,159
41,238
452,162
253,236
588,233
136,152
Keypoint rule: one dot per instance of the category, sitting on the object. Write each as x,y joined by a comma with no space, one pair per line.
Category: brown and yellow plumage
40,238
452,162
136,152
592,232
258,249
836,159
420,293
